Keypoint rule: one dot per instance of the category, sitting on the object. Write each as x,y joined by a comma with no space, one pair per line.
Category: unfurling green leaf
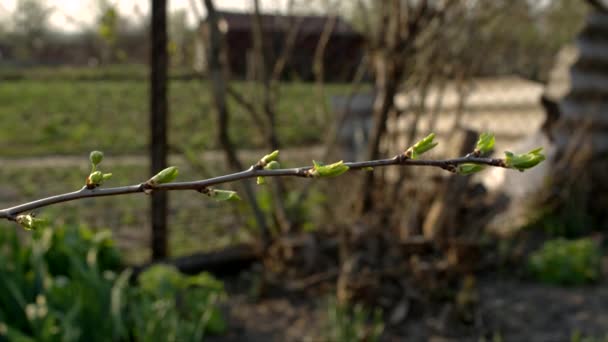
96,178
270,157
331,170
165,176
485,144
421,147
469,168
29,222
524,161
272,165
223,195
96,157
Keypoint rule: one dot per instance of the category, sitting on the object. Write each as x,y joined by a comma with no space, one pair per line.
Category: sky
70,15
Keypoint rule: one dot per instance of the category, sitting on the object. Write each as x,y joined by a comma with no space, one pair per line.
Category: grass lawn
197,222
50,113
54,116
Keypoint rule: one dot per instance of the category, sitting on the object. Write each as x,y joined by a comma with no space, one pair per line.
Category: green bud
96,157
369,169
223,195
165,176
524,161
260,181
469,168
485,144
96,178
331,170
270,157
273,165
421,147
29,222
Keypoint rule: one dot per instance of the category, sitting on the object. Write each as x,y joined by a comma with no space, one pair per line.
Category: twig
253,172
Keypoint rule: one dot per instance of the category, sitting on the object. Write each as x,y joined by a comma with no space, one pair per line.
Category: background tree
579,192
107,29
31,27
181,39
397,32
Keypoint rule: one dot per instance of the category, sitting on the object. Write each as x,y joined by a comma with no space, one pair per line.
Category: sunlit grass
39,117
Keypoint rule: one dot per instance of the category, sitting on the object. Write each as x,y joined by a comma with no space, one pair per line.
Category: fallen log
225,262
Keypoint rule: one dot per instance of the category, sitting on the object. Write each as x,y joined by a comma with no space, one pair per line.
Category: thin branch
253,172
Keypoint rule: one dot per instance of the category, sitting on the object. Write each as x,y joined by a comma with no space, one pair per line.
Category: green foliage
30,222
269,162
270,157
577,336
95,157
570,221
304,214
96,178
223,195
524,161
173,306
331,170
352,323
80,243
165,176
467,169
421,147
566,262
485,143
108,24
64,285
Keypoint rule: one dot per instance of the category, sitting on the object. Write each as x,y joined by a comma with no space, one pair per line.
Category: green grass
70,116
197,222
65,112
72,73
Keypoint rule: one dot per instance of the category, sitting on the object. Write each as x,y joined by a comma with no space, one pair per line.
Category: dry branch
254,171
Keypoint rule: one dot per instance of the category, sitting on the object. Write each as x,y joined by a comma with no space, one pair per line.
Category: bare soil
508,310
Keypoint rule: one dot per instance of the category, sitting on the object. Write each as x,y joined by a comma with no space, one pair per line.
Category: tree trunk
581,133
158,124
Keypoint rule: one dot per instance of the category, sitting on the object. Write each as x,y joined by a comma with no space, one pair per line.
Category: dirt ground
508,310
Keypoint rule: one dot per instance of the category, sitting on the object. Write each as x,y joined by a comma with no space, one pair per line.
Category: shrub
172,306
566,262
64,285
352,323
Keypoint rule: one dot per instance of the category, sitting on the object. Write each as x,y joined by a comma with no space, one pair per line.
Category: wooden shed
342,55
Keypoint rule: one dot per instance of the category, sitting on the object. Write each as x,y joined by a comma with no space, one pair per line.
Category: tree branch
253,172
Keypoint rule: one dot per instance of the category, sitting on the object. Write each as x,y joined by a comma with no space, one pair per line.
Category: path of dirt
509,310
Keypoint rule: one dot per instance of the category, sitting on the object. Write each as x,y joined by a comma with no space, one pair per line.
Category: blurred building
509,107
343,52
6,53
